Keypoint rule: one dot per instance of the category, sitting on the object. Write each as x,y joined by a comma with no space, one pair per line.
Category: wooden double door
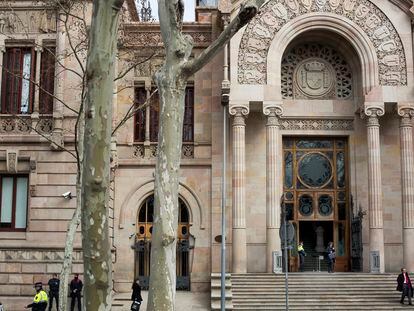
316,194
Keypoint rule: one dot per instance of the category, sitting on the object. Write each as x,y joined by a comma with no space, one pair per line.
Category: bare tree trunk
97,148
67,261
171,80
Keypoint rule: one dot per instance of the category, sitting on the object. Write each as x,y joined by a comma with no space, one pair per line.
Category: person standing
54,291
40,299
405,286
331,255
76,286
302,254
136,296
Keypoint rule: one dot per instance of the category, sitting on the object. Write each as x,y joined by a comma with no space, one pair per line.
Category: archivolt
138,194
363,19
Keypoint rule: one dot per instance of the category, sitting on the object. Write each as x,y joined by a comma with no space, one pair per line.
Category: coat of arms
314,78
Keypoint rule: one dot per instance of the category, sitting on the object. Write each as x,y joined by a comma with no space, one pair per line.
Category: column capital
371,112
273,113
239,110
406,112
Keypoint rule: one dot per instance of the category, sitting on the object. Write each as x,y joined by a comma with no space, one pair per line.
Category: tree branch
247,11
133,110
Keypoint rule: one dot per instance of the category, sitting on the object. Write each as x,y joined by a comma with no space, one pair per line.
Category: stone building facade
320,104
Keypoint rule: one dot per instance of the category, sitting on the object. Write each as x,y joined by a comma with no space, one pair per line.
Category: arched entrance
143,244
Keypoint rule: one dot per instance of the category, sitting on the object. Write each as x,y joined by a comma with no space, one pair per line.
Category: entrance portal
316,195
143,244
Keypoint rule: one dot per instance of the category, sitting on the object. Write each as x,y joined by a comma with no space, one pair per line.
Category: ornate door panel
316,187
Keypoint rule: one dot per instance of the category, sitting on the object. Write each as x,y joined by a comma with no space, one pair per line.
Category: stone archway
126,228
367,28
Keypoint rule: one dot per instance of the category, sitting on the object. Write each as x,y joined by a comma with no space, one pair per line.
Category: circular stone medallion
314,77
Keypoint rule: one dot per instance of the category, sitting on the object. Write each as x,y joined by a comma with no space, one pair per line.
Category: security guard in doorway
40,299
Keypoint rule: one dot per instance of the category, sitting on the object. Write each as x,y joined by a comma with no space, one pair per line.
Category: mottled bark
171,80
97,149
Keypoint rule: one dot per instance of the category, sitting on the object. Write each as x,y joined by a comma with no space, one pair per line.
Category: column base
408,249
239,251
376,243
272,244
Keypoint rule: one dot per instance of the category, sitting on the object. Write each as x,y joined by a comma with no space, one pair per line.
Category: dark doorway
314,247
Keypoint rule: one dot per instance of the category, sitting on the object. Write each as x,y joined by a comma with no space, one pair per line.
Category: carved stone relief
315,71
11,161
150,151
317,124
275,14
37,255
27,21
11,125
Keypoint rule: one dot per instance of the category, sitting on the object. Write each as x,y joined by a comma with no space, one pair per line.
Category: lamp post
225,89
285,248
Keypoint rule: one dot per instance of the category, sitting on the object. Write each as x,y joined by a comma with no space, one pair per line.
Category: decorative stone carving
372,113
27,21
239,113
187,151
45,125
407,114
315,71
153,38
273,114
11,159
317,124
13,125
37,255
314,78
276,13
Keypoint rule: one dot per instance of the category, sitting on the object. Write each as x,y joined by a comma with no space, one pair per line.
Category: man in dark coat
54,291
136,295
405,286
75,292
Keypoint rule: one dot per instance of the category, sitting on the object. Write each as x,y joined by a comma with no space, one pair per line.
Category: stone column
239,248
2,51
376,233
272,182
57,134
36,103
406,112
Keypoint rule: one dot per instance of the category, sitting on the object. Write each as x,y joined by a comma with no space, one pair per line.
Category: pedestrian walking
76,286
40,299
405,286
54,283
331,257
1,307
136,296
302,254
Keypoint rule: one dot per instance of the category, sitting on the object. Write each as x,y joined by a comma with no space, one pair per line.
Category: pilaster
273,173
406,113
239,247
372,112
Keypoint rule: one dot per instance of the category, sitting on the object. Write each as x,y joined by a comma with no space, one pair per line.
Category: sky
189,10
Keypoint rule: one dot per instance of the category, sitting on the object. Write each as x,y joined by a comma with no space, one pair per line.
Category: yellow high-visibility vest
300,248
41,297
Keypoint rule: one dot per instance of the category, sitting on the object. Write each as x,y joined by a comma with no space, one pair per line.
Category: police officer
302,254
40,299
54,291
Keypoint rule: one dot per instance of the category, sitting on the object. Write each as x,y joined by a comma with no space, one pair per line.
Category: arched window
143,243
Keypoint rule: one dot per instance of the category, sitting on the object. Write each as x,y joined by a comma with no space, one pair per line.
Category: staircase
311,259
316,291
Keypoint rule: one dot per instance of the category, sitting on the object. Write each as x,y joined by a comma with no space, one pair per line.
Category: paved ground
185,301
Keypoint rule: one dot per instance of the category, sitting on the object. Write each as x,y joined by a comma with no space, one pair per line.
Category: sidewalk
185,301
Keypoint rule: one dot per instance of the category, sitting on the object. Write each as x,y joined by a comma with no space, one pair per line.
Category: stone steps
316,291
